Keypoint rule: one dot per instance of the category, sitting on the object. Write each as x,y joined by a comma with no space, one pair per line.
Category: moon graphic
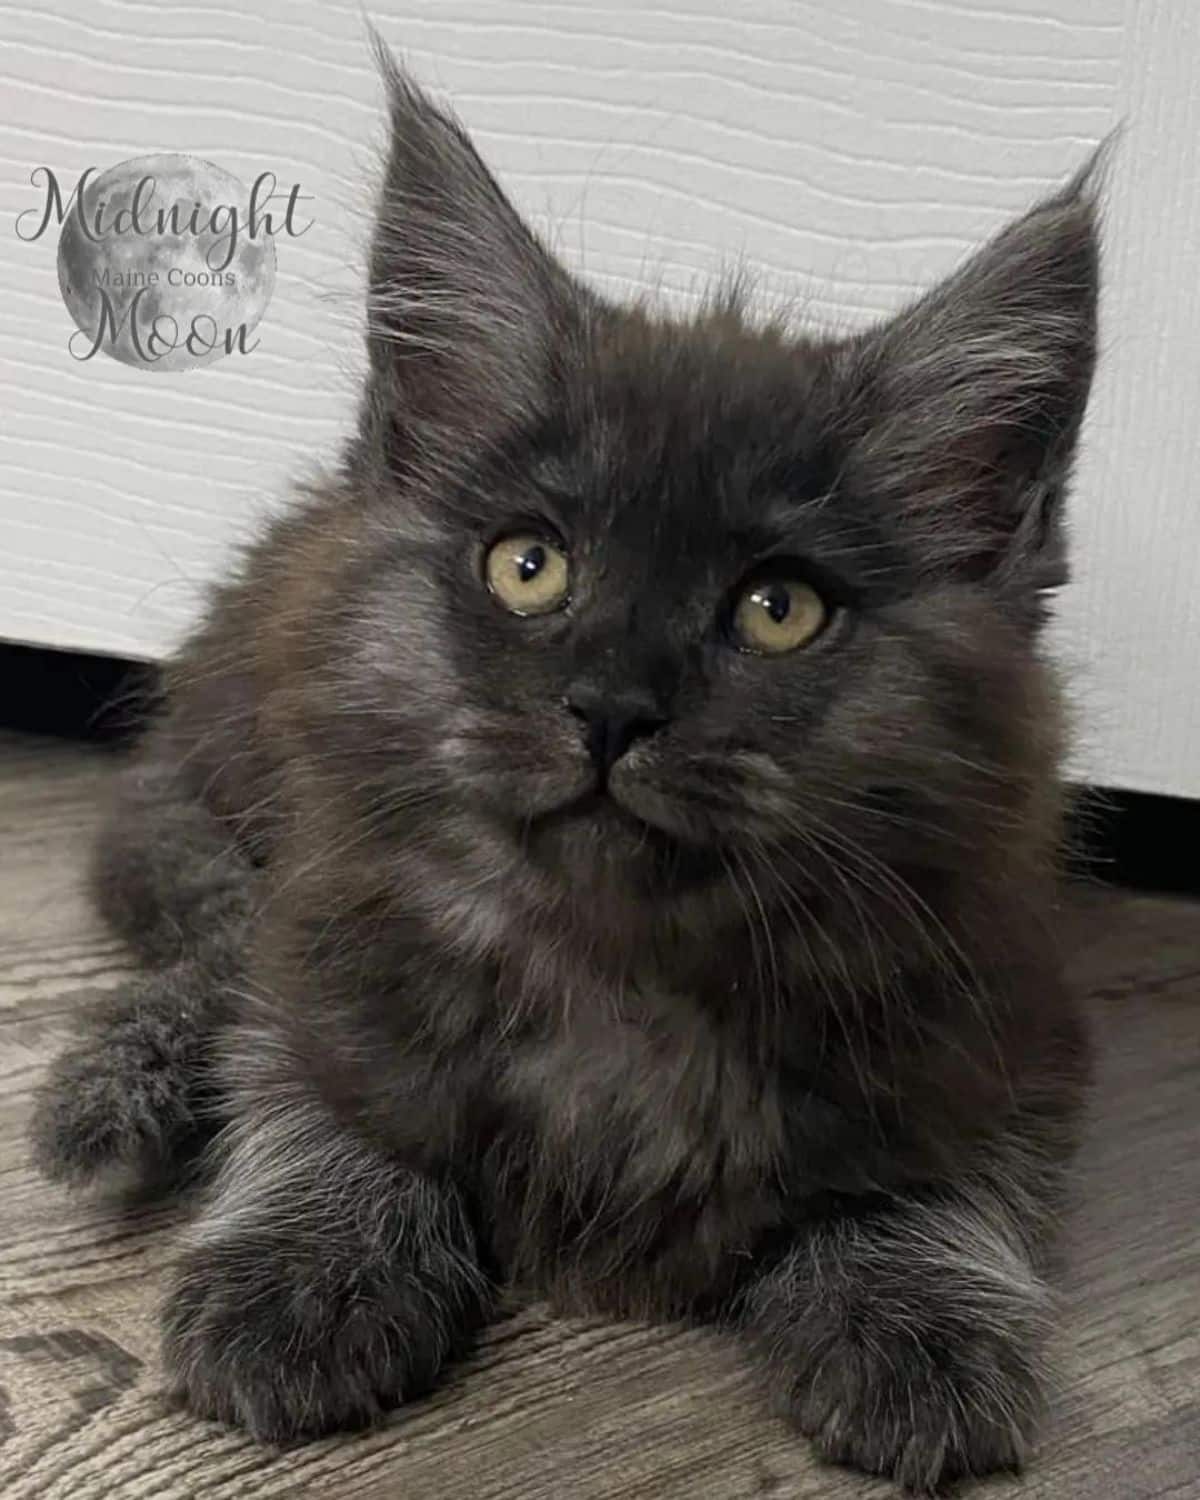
122,286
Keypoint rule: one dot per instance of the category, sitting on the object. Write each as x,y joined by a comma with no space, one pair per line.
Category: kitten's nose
612,721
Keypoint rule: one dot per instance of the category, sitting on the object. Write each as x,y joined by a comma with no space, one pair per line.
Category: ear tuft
967,406
464,303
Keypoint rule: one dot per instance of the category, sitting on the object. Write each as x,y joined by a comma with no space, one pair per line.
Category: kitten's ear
966,407
465,306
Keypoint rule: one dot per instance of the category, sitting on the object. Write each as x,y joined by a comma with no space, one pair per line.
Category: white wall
851,151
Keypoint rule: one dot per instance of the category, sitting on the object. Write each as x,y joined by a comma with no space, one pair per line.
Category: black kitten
604,843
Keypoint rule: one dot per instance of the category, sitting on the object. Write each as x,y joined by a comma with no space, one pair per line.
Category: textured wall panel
849,153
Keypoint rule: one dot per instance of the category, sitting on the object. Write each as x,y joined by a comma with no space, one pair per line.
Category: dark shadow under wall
73,694
1136,839
1115,837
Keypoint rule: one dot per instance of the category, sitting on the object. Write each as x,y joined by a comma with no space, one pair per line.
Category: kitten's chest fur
642,1151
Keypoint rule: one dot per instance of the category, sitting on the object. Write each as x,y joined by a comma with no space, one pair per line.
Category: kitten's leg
133,1089
166,874
907,1340
325,1284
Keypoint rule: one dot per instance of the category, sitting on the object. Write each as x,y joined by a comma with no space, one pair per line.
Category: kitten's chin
592,840
608,853
625,812
595,824
645,805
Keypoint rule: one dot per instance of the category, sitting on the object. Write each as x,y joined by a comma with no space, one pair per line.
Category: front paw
923,1411
260,1333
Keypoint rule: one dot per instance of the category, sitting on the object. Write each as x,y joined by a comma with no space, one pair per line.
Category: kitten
603,843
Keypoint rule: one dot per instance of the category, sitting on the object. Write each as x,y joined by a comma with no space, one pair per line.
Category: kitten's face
695,604
628,558
655,600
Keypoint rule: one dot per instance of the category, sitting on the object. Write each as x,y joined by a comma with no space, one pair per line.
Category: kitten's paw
123,1095
261,1334
923,1413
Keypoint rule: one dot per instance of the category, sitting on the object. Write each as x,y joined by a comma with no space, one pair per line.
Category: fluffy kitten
603,843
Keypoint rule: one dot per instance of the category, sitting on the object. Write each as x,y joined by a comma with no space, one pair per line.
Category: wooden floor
547,1410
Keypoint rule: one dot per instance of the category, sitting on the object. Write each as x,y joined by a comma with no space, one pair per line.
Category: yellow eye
528,574
774,615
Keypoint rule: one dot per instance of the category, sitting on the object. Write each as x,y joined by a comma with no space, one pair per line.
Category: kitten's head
652,601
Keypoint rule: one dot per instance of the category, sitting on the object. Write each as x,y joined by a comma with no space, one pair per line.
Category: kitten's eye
528,574
774,615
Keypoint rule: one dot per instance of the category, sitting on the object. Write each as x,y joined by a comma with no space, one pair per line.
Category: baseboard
1136,839
1117,837
72,694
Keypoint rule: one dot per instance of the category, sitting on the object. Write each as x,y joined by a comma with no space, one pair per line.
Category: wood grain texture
550,1410
850,153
